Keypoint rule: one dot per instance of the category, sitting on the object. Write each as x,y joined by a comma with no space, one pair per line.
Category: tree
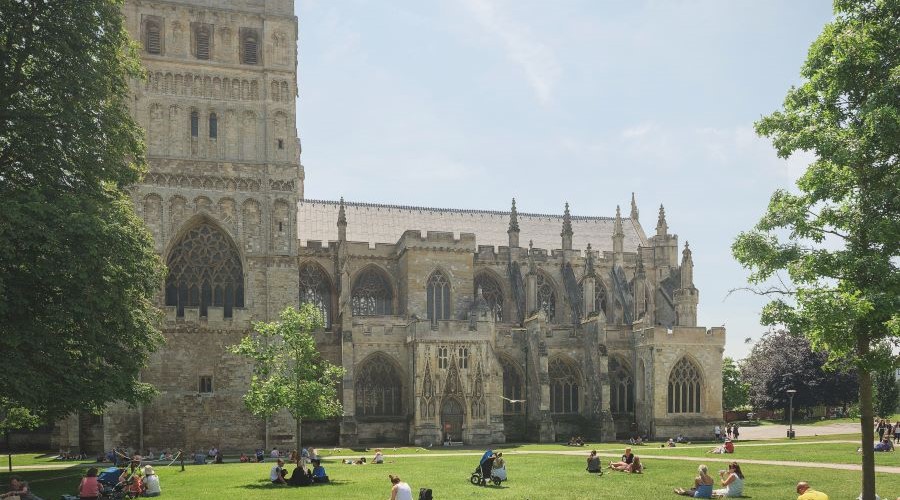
836,237
14,418
782,361
78,274
886,394
288,372
735,392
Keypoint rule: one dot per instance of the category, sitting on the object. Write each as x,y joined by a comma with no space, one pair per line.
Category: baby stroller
111,488
484,469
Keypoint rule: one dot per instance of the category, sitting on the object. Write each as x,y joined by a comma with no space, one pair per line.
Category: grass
19,459
837,453
531,477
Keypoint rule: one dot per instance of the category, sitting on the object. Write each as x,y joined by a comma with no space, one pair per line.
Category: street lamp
790,432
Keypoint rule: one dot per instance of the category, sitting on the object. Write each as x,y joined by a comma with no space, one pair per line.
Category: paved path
780,431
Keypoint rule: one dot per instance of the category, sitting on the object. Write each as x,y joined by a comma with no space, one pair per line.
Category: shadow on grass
264,484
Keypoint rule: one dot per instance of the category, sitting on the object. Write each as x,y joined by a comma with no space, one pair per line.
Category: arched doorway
452,417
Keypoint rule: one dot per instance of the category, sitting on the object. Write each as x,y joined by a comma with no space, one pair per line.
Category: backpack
425,494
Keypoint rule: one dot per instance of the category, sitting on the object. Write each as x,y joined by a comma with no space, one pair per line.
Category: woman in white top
400,490
732,480
151,482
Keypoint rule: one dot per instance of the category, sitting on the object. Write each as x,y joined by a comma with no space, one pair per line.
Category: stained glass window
378,388
205,270
564,387
438,297
621,387
492,293
315,289
685,388
371,295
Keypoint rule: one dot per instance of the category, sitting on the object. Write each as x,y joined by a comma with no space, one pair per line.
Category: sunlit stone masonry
477,326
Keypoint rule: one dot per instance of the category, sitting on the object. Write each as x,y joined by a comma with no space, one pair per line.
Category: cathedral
474,325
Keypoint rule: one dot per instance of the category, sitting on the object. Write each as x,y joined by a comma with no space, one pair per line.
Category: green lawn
531,477
19,459
838,453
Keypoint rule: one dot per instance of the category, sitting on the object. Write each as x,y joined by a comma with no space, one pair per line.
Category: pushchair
113,489
485,464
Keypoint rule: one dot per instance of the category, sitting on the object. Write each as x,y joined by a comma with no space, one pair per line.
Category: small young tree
886,393
288,372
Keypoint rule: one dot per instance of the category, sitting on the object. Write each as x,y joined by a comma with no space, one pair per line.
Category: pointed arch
379,387
621,386
316,289
546,295
565,386
491,291
685,388
205,269
601,298
513,386
372,294
437,294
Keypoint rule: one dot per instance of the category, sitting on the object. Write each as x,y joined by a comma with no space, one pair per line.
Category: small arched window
378,388
315,289
564,387
152,32
204,270
621,387
371,295
213,126
438,297
513,388
600,297
249,46
546,296
492,293
195,124
685,388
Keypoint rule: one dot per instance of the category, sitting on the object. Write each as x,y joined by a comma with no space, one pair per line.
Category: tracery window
438,297
546,296
600,297
685,388
371,295
315,289
443,357
564,387
621,387
492,293
463,353
378,388
195,124
513,388
204,270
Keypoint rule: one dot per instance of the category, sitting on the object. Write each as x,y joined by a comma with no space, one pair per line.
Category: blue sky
468,103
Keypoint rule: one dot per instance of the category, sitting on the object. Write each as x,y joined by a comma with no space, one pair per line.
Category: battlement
436,240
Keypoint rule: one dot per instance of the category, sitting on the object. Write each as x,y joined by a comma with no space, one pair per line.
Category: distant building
482,326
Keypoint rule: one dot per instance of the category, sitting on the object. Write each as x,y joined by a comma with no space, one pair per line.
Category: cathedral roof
376,223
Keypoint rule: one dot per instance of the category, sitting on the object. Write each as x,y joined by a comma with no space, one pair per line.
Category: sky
469,103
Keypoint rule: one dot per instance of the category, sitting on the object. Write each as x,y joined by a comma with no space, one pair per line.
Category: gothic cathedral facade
480,326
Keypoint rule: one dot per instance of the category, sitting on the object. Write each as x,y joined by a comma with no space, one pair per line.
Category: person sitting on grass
703,485
132,479
627,458
593,462
732,480
90,488
276,475
151,482
300,476
727,447
318,473
804,492
260,455
379,457
244,459
399,489
20,489
884,445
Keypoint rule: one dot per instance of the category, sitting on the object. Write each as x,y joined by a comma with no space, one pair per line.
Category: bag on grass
425,494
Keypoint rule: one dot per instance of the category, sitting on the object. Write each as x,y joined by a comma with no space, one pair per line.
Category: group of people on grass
301,476
731,481
884,429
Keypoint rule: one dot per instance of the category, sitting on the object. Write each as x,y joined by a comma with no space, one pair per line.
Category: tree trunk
297,444
866,421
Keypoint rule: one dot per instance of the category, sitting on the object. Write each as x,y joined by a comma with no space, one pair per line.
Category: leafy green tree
78,275
288,371
735,392
836,237
887,393
782,361
14,418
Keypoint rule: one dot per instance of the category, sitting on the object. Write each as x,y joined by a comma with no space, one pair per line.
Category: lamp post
790,432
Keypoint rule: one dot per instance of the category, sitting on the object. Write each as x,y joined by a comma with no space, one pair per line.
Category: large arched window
685,386
513,388
438,297
546,296
204,270
315,289
621,387
492,294
378,388
371,295
564,387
